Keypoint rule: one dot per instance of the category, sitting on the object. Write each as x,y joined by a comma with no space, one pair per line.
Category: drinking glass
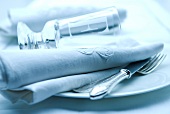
101,22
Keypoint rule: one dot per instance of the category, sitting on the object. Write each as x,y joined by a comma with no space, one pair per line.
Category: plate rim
72,94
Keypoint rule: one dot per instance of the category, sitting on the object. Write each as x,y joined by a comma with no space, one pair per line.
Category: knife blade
105,87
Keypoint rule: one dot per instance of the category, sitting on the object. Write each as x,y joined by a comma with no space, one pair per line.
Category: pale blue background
156,102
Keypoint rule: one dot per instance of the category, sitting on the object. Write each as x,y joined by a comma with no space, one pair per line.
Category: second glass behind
104,22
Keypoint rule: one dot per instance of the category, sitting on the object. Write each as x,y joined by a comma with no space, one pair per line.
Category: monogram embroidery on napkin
103,52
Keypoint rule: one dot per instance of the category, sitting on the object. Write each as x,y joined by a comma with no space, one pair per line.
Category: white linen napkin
37,13
35,75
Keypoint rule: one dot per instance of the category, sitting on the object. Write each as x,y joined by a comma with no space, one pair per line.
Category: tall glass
104,21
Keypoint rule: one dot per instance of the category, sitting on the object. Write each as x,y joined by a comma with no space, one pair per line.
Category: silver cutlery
101,88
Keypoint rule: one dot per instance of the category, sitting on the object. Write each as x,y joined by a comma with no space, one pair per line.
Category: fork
153,63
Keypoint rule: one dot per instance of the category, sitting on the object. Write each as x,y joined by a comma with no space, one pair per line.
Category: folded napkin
34,75
37,13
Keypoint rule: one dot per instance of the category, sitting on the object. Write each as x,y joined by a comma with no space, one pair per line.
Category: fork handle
104,88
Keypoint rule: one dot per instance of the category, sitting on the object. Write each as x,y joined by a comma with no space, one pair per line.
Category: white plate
133,86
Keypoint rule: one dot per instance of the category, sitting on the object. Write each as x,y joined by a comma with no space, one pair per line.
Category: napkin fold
38,12
35,75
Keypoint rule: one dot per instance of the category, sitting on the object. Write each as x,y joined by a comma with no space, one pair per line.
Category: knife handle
105,87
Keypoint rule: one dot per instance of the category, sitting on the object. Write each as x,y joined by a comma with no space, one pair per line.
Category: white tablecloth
146,21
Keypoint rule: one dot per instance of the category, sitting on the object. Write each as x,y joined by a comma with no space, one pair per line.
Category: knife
104,88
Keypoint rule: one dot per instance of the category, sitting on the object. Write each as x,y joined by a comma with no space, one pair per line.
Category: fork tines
153,63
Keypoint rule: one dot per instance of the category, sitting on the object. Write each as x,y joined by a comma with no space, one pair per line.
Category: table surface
146,21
